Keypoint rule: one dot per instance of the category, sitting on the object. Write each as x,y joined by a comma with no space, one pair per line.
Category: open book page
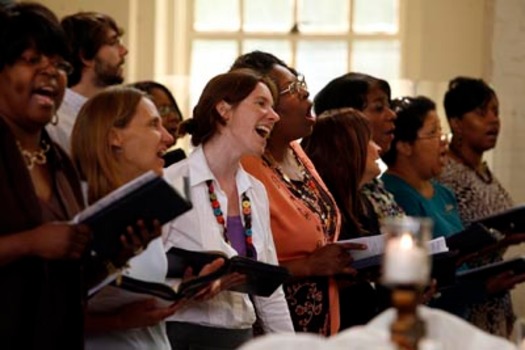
104,283
376,246
437,245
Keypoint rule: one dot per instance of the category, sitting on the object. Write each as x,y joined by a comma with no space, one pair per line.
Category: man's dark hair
86,33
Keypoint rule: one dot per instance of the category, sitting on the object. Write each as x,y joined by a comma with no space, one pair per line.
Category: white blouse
199,230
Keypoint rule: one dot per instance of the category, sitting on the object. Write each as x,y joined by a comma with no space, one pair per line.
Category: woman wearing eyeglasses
169,112
165,102
305,219
416,157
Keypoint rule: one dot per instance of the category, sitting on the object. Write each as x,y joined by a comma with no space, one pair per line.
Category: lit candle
405,262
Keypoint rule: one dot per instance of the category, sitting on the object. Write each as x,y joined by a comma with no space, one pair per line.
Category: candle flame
406,241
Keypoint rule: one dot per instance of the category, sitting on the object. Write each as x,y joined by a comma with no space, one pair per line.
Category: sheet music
437,245
376,246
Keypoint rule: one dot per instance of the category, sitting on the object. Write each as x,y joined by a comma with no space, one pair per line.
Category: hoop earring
54,120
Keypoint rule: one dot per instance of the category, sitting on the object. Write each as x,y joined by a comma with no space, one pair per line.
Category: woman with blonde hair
118,136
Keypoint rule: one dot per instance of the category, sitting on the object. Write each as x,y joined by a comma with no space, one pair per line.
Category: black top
41,301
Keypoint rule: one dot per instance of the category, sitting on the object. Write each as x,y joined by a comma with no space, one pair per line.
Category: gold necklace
37,157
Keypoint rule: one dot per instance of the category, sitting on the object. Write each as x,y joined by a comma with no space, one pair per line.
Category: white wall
508,77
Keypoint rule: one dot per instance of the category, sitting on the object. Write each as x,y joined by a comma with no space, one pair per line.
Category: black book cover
472,239
147,197
262,279
509,221
516,265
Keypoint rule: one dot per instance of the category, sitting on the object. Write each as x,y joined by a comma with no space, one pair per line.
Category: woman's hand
214,287
503,282
333,259
136,240
58,240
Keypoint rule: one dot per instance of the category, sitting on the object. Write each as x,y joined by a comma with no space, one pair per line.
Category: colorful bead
246,210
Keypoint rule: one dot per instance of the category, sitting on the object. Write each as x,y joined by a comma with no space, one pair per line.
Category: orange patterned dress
304,217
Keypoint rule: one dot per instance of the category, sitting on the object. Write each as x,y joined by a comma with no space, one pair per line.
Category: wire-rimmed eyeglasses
445,137
296,87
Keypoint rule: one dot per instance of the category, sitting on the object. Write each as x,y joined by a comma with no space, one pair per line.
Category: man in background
97,56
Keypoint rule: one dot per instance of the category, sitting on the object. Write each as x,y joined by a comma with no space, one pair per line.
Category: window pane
268,15
213,15
379,58
327,16
321,61
208,59
373,16
279,48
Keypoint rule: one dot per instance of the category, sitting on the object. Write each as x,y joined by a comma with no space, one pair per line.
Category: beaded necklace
246,212
308,191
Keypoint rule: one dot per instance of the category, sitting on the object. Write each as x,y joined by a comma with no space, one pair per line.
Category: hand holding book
238,274
137,204
136,239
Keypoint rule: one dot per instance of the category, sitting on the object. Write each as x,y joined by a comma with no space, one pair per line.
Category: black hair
348,90
147,86
261,62
411,114
466,94
29,25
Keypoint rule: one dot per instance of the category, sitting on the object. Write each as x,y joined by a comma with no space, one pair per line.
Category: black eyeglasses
41,61
296,87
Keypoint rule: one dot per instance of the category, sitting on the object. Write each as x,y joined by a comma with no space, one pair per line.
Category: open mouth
161,154
493,133
46,95
263,131
45,91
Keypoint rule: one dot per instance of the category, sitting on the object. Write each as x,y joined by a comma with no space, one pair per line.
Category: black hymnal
474,238
262,279
173,157
516,265
147,197
125,290
509,221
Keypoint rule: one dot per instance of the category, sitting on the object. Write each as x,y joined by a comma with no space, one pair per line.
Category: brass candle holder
406,270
